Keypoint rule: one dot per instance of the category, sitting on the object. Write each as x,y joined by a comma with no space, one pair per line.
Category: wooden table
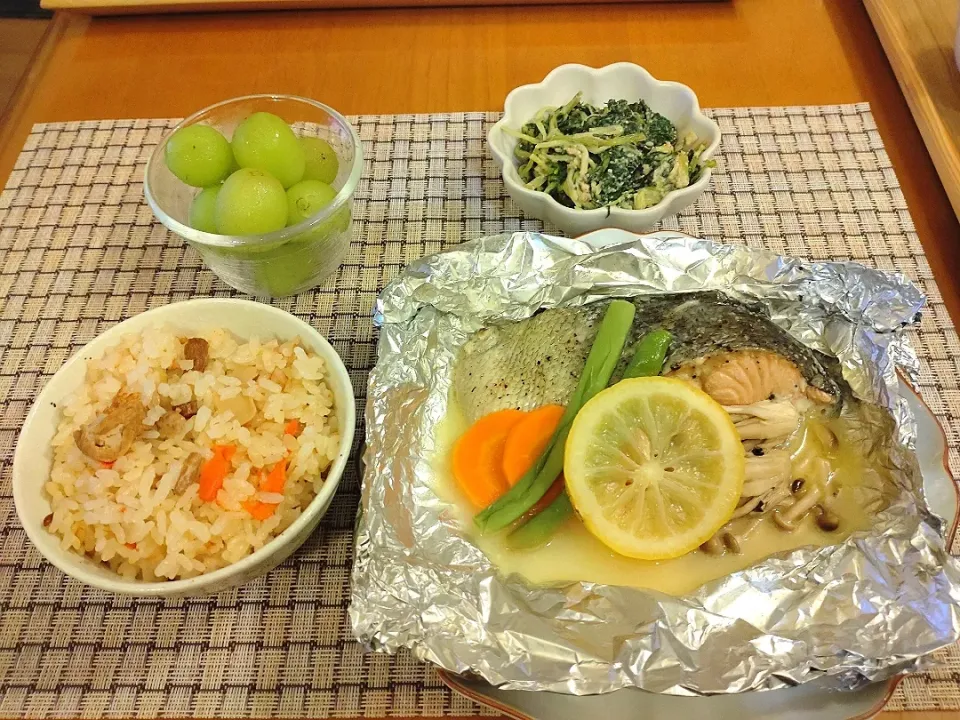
918,38
745,52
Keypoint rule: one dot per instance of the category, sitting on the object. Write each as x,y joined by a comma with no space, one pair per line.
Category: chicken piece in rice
198,488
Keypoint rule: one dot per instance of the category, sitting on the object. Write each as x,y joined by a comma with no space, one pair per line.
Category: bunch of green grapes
263,179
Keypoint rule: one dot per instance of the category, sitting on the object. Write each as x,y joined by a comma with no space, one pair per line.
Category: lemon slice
654,467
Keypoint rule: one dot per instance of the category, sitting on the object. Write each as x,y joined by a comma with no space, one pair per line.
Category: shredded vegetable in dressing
620,155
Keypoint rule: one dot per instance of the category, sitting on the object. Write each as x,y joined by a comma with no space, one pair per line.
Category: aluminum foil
864,610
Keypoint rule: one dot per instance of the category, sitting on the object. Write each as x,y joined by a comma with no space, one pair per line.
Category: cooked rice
129,516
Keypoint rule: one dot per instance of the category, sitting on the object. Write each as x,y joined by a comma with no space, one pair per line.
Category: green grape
198,155
306,199
203,209
265,142
322,160
251,202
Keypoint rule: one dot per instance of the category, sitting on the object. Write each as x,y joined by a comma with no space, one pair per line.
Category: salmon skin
538,360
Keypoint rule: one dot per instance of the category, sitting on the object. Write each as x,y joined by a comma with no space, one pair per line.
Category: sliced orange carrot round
478,457
527,440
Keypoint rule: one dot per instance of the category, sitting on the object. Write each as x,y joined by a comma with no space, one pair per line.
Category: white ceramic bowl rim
692,189
199,583
287,233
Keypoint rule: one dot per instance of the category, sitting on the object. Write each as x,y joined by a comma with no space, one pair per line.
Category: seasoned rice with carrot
181,454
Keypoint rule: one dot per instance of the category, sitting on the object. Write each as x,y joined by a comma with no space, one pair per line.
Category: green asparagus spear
541,527
649,356
603,358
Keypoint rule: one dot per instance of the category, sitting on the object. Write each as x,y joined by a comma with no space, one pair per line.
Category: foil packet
871,607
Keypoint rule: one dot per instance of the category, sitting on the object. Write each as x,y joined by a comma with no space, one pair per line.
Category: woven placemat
80,251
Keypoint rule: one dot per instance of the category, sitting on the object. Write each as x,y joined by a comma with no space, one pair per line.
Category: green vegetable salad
621,155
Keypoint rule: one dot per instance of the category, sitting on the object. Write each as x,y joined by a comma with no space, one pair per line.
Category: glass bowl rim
288,233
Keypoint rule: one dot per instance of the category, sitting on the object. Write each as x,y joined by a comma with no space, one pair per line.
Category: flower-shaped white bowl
33,458
624,81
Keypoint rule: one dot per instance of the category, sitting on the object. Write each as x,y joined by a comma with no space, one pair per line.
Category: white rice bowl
126,526
129,515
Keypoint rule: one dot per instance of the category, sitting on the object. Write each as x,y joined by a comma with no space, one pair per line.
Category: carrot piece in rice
214,471
259,510
273,482
275,479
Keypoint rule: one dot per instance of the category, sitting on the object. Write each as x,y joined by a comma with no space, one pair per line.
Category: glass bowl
287,261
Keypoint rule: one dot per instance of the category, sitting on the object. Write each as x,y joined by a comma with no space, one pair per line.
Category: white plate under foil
819,700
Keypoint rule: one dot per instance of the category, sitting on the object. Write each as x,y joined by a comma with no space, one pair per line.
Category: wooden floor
19,39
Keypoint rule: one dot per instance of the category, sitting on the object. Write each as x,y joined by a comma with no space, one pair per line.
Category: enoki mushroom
773,487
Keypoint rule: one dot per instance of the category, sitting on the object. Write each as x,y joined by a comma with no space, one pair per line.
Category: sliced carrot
478,457
214,471
259,510
132,546
273,482
527,440
292,428
108,464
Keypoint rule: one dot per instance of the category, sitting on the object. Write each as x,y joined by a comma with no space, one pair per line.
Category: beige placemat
80,251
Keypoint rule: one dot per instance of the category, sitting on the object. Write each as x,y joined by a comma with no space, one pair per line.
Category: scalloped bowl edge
621,80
